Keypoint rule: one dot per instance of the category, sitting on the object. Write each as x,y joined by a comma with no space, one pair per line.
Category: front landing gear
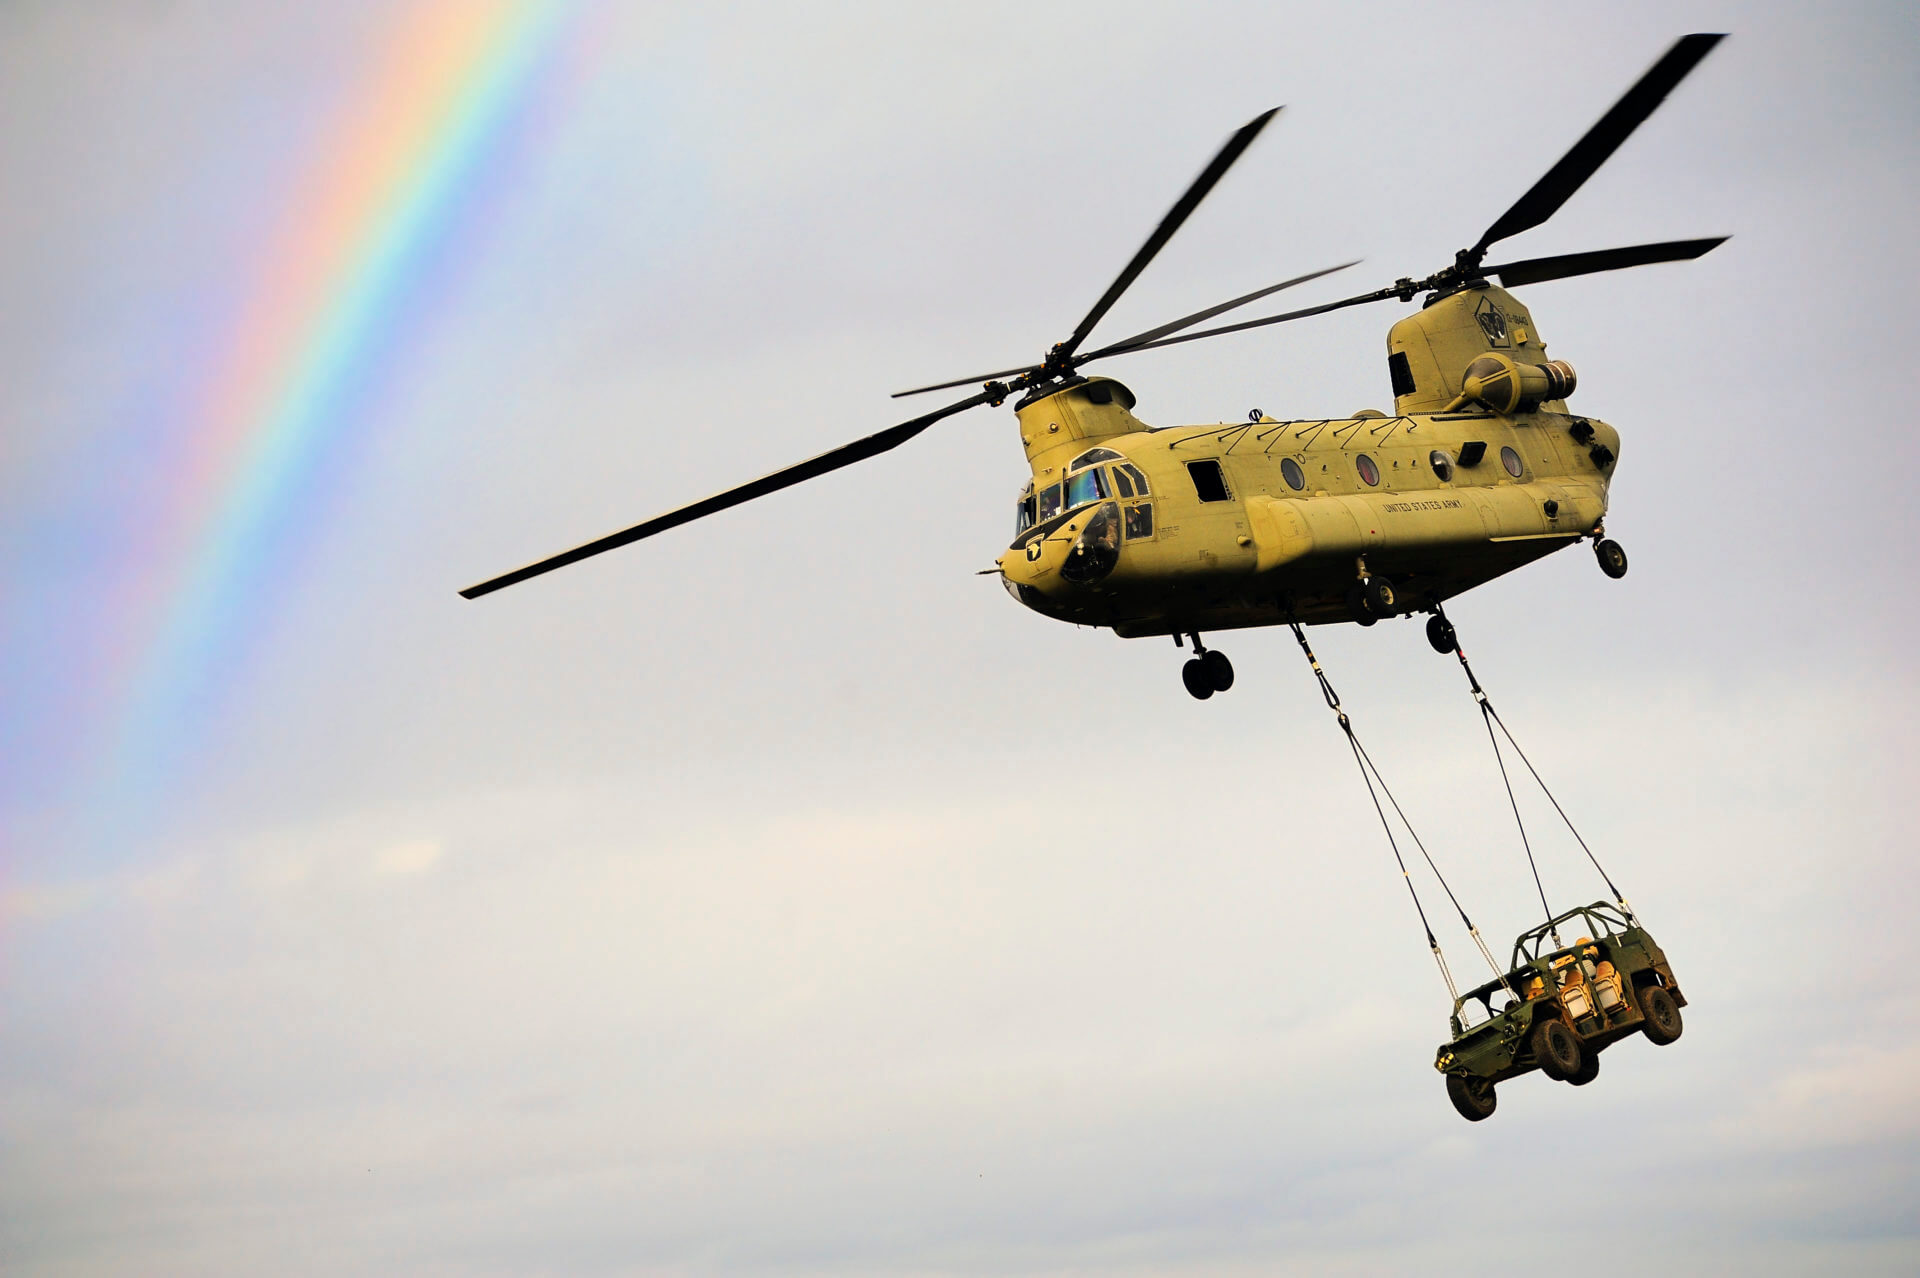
1613,560
1372,598
1209,671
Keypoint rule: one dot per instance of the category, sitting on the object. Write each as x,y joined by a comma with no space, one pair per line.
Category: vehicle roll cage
1602,919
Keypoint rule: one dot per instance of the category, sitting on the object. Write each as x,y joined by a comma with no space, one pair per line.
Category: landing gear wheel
1662,1024
1199,682
1219,670
1357,608
1588,1071
1377,594
1613,560
1473,1097
1440,635
1556,1050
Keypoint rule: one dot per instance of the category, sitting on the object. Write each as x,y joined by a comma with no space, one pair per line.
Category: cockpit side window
1139,480
1087,486
1024,519
1121,481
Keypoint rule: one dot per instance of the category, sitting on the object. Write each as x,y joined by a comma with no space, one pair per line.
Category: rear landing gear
1613,560
1440,634
1209,671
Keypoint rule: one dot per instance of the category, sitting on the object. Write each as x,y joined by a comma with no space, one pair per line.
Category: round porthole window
1511,460
1369,473
1442,465
1291,472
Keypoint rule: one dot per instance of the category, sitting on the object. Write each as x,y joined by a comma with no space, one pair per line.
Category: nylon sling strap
1490,717
1371,775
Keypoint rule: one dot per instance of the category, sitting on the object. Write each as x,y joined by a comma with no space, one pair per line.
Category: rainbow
314,340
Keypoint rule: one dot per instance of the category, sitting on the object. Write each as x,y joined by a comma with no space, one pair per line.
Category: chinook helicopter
1185,530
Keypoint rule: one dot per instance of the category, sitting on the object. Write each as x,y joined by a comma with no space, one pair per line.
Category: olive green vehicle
1561,1007
1481,468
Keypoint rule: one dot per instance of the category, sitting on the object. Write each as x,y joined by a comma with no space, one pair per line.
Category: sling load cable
1491,716
1370,774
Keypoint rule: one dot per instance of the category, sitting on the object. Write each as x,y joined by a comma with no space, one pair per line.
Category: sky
776,896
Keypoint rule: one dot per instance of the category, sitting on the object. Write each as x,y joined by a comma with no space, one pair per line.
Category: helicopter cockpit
1090,478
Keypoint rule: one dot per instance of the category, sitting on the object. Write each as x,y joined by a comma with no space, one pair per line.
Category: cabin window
1024,518
1401,372
1208,481
1121,481
1087,486
1139,480
1140,521
1049,503
1291,472
1442,465
1369,473
1511,460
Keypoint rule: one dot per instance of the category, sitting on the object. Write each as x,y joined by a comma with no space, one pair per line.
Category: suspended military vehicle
1561,1006
1156,531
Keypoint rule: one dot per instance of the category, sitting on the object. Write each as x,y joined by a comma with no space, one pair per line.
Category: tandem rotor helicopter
1482,468
1186,530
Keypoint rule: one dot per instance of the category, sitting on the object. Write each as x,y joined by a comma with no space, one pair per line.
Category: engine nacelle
1505,385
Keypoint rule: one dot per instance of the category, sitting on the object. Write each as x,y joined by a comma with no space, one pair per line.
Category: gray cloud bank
825,913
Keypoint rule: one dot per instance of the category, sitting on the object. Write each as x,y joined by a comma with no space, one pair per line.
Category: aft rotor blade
1153,334
845,455
966,381
1182,209
1536,269
1601,141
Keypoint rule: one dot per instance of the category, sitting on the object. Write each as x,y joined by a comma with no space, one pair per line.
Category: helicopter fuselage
1221,526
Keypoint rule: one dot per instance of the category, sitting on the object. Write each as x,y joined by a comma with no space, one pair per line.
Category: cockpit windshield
1049,503
1087,486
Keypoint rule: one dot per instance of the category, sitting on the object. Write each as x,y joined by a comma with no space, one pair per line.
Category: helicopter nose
1096,550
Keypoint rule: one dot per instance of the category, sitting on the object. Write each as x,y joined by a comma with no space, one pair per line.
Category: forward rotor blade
1152,334
965,381
1601,141
1379,296
845,455
1209,176
1534,270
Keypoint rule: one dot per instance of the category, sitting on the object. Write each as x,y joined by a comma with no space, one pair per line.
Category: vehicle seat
1606,987
1574,995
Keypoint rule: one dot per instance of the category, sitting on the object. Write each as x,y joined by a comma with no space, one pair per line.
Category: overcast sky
777,897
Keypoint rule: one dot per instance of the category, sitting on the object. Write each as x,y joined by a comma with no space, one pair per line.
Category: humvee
1561,1007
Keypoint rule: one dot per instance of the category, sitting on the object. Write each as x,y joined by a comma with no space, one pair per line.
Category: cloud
416,856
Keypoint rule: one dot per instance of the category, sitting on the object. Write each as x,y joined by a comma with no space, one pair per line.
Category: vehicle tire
1613,560
1662,1016
1557,1050
1440,635
1219,670
1357,607
1472,1097
1377,594
1199,683
1589,1068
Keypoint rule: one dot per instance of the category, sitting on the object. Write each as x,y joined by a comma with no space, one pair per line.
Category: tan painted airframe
1435,521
